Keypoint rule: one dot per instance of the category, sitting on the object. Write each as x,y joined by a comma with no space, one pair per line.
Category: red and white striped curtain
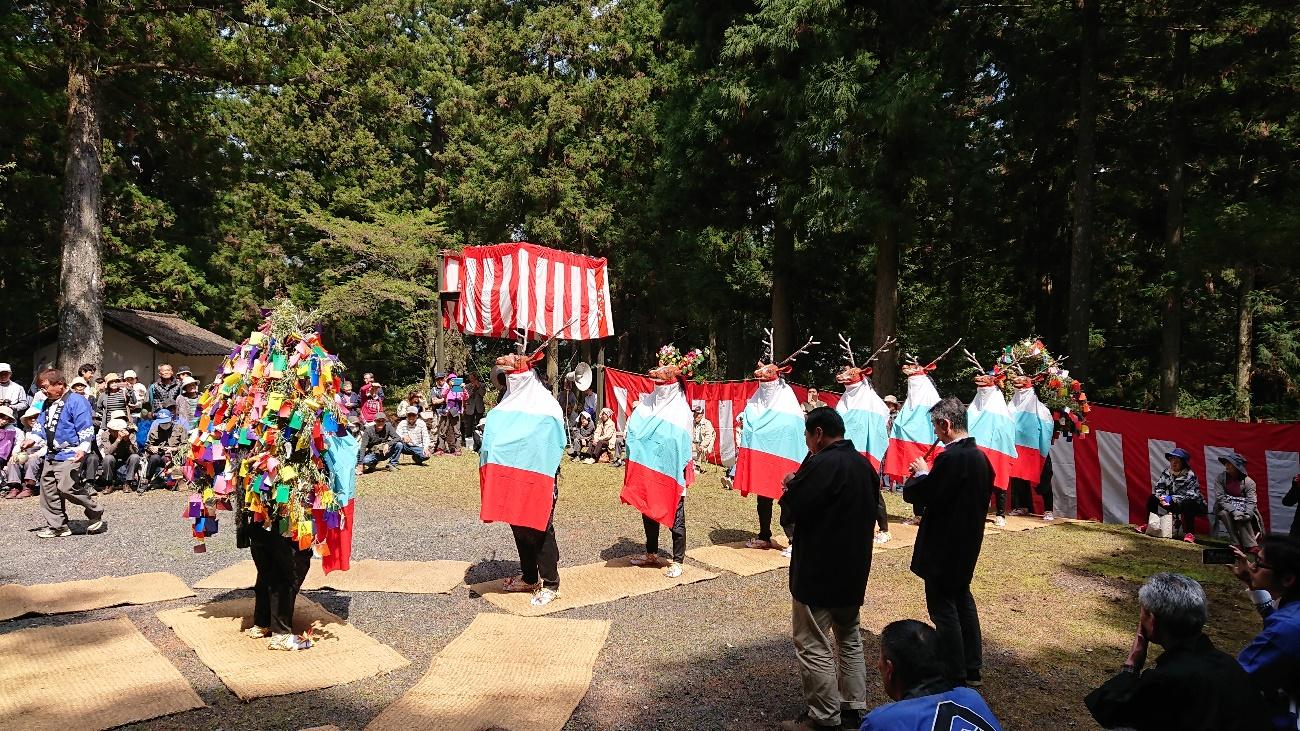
528,287
1108,475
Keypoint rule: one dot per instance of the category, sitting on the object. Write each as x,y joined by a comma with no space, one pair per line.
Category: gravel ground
1057,605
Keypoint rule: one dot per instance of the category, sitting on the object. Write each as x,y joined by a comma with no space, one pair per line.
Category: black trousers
1021,496
281,568
679,533
955,618
538,553
765,518
1000,501
882,515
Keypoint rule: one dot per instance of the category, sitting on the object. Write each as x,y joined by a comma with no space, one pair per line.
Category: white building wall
123,351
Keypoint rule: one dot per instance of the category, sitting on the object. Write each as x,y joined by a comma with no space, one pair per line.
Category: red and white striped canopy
529,287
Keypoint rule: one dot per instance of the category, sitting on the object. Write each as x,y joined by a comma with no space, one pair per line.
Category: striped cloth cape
989,420
523,442
912,433
771,441
866,420
659,454
1033,435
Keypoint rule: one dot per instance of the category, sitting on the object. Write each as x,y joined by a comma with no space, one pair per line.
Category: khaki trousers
829,685
61,482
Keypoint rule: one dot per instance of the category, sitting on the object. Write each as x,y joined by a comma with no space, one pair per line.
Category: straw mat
400,577
93,675
596,583
502,672
738,559
79,596
342,653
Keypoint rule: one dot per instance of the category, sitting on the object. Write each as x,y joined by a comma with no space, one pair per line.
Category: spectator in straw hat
114,397
187,404
24,467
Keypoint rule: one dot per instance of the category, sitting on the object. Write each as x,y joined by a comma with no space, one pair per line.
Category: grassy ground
1057,605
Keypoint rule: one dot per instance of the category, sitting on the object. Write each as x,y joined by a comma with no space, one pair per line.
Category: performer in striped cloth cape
989,421
771,438
866,419
660,464
519,466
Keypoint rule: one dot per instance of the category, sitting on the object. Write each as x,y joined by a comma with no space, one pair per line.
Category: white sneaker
1000,522
257,633
674,570
543,597
47,532
289,642
1047,515
95,527
883,537
787,552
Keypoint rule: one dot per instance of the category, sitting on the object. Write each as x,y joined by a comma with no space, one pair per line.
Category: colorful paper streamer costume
523,441
270,444
660,456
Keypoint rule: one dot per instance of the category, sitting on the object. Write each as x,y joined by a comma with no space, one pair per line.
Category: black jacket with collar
828,511
955,497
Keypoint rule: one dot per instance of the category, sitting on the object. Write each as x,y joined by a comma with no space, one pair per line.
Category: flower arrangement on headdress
1060,392
669,355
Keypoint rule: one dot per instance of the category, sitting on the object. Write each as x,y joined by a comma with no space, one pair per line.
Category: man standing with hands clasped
65,426
955,497
827,510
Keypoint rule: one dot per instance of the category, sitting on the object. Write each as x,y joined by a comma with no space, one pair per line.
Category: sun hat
412,410
117,424
4,368
128,373
698,408
78,381
1236,460
31,413
112,378
187,380
6,411
163,416
1178,452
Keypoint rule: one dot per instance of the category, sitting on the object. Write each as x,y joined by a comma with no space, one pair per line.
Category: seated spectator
913,676
1235,503
1177,491
580,438
116,464
1194,686
702,437
603,438
163,443
379,441
142,426
11,437
140,390
1273,658
24,468
413,436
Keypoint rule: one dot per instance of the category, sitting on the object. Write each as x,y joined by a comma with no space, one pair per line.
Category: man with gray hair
1193,686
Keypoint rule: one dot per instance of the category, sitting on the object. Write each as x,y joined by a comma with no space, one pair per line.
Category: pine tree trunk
1172,311
886,318
81,291
782,300
1245,327
1085,186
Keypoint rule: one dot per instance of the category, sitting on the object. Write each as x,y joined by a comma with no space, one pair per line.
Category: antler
882,349
946,352
847,347
800,351
971,357
558,330
522,346
770,344
911,359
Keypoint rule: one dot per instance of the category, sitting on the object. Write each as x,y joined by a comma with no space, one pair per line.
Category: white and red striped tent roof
524,286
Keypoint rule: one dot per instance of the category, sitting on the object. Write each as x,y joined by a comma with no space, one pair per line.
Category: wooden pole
438,342
600,377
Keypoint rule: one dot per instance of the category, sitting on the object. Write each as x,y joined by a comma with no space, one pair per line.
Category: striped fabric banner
529,287
1108,475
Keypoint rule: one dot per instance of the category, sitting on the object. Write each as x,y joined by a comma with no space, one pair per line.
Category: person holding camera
164,441
1272,659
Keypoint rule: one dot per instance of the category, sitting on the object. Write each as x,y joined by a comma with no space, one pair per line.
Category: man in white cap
66,427
24,468
413,436
117,463
11,394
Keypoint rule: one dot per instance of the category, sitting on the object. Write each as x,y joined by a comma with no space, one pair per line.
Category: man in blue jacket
66,426
913,674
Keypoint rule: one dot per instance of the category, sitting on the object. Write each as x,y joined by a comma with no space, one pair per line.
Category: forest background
1117,177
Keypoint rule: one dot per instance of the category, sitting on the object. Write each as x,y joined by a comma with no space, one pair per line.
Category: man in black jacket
1193,687
955,498
828,509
